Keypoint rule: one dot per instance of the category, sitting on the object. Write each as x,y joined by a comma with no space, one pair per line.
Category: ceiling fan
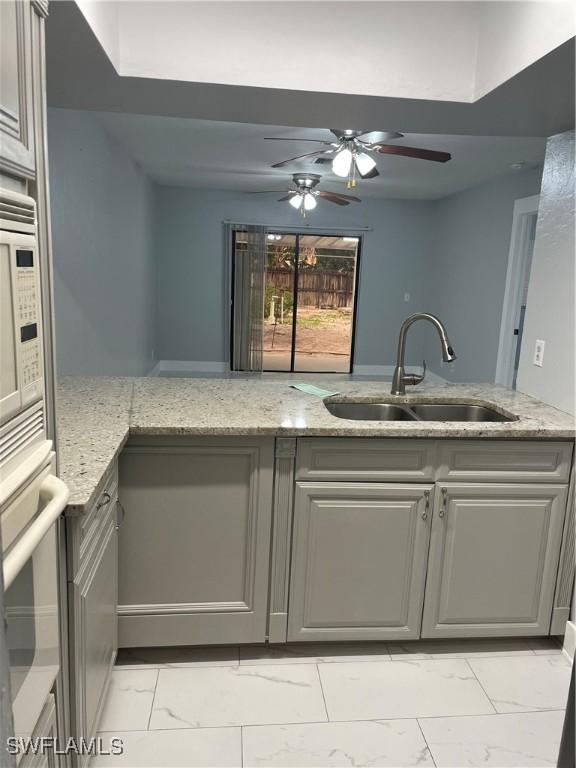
303,198
350,152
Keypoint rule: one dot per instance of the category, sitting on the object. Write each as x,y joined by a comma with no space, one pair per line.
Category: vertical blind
247,244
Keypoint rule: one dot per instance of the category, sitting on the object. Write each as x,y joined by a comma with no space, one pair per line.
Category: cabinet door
493,559
195,541
16,112
94,633
358,561
46,728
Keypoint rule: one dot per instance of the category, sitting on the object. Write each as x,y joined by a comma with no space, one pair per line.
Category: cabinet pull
442,510
122,514
426,505
104,500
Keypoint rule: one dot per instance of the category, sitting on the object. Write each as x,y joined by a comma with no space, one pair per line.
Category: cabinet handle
104,500
122,514
442,510
426,505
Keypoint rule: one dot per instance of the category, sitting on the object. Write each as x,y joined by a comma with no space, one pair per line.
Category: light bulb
309,202
296,201
342,163
364,163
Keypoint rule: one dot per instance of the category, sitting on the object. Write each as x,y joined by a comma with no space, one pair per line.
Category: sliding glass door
309,297
325,296
310,290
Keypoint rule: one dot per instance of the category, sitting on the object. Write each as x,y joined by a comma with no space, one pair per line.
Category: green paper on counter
310,389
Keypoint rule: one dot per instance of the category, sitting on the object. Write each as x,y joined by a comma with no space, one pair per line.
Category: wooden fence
320,288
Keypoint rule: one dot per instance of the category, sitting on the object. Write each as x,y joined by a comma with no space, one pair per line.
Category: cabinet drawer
365,459
83,531
504,461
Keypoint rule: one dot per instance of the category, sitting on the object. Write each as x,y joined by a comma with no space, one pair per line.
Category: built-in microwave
23,442
22,382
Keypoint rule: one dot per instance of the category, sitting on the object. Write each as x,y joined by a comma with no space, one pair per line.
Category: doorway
516,292
309,302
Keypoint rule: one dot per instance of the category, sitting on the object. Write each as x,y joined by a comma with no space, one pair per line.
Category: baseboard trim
215,366
387,371
569,640
188,366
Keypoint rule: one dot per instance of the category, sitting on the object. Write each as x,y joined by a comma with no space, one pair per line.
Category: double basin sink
415,412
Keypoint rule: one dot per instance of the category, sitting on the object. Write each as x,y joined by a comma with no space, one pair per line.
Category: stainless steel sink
456,412
415,412
370,411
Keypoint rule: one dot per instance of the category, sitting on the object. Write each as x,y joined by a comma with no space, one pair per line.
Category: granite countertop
96,415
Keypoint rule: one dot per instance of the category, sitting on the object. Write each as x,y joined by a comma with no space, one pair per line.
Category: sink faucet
401,378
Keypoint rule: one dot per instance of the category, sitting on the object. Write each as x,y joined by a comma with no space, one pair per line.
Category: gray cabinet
493,559
358,560
92,550
46,728
195,540
16,106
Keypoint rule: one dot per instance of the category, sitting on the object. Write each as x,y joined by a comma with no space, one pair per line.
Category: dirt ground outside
323,339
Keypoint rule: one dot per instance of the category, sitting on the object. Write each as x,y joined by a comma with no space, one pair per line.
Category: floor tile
129,700
221,696
522,740
199,748
526,683
166,658
460,649
312,653
545,645
377,743
402,689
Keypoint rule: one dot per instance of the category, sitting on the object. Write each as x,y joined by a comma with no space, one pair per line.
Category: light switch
406,297
539,352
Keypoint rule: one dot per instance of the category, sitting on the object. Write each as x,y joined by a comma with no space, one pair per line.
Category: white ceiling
234,156
419,49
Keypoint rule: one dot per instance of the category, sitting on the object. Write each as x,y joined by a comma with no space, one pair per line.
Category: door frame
524,209
297,233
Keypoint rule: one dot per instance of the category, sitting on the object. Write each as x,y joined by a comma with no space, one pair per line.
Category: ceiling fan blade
421,154
375,137
265,192
299,157
296,138
289,196
339,199
371,174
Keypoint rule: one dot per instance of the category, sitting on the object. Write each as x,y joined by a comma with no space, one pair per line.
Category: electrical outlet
539,353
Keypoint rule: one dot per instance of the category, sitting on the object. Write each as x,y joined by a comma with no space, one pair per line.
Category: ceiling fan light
364,163
309,202
296,201
342,163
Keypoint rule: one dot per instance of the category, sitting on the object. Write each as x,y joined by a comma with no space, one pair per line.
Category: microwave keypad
27,299
27,292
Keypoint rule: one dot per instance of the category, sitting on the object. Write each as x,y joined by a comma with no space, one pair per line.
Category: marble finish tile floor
494,703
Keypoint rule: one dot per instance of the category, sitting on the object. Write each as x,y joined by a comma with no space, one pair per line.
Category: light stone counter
96,415
93,420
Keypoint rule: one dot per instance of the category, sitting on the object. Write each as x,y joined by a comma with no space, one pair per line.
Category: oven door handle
56,493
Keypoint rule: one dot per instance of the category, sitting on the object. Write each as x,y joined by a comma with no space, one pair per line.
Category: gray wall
193,279
140,272
550,305
467,272
104,271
